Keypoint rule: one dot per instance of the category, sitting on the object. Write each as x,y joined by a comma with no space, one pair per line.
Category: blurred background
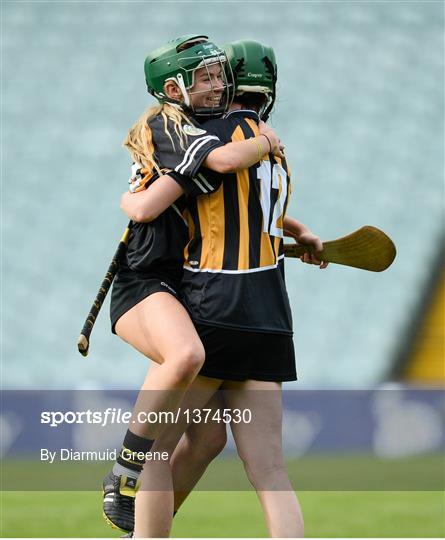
360,109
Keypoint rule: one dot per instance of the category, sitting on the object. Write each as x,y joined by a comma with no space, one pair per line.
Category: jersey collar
245,113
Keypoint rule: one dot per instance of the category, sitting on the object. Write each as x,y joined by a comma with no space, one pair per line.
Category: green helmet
254,69
177,61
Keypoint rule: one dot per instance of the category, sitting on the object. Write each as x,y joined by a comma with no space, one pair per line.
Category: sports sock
131,458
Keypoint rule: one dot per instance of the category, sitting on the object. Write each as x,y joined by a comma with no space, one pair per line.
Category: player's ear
172,90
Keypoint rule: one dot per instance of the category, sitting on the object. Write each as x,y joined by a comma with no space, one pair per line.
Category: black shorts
130,287
239,355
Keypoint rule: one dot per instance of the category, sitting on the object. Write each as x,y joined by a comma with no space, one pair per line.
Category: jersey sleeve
203,183
186,159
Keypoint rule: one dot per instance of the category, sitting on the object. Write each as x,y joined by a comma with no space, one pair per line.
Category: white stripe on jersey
247,271
191,151
204,181
198,183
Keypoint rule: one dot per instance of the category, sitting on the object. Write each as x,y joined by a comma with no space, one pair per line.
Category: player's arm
148,204
206,149
303,235
236,156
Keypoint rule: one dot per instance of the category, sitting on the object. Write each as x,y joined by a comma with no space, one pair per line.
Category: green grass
323,472
397,498
234,514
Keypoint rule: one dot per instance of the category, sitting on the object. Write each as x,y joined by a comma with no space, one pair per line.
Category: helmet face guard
225,97
254,70
178,61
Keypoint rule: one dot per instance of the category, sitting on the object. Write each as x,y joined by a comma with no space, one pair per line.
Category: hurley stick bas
83,342
367,248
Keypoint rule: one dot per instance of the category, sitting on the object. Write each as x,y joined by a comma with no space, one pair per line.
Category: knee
267,477
188,362
264,471
258,473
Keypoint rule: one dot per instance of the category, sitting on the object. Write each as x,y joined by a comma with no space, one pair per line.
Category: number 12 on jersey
272,176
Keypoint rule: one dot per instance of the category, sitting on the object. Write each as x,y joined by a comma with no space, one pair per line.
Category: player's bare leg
160,328
198,447
155,498
259,447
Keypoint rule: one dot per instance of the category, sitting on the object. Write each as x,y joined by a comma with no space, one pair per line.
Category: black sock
132,454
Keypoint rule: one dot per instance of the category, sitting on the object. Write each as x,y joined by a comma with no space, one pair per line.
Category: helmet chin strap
180,83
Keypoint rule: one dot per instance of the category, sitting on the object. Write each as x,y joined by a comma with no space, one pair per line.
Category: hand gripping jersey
234,260
157,247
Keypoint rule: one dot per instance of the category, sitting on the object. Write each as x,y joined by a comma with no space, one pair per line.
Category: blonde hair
139,140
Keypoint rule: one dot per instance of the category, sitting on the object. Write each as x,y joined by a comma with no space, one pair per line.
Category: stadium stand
360,109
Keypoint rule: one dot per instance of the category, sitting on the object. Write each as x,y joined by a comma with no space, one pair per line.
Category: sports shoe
118,502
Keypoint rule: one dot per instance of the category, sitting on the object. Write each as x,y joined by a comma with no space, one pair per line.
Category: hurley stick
367,248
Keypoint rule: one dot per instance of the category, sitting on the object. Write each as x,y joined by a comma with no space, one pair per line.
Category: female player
236,251
186,76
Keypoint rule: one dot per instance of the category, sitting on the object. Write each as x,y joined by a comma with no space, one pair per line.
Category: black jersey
184,159
158,246
234,260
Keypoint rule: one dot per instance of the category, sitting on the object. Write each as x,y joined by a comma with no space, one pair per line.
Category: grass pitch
234,514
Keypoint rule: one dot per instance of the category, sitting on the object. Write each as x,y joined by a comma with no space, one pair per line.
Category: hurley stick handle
83,342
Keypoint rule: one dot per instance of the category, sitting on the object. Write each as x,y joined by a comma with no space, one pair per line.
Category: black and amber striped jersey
234,260
158,246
